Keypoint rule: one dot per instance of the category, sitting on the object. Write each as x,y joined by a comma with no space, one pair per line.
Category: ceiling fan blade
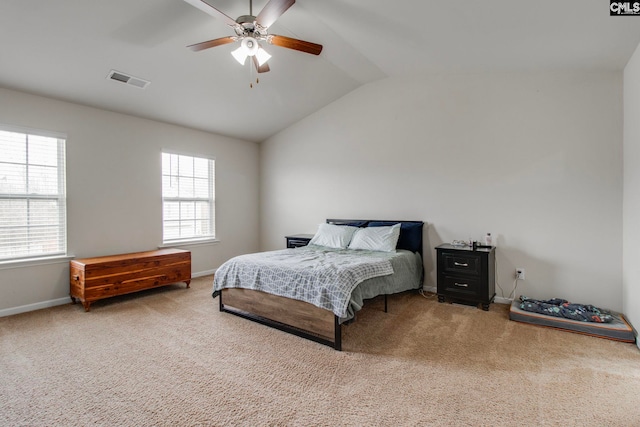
211,43
296,44
272,11
207,8
261,68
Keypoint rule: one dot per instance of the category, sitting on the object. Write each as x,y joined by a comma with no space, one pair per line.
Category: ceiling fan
251,30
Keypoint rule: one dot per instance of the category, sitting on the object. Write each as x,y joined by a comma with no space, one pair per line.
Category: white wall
631,209
535,159
114,190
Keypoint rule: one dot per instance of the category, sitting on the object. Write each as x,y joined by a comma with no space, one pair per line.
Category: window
32,194
188,198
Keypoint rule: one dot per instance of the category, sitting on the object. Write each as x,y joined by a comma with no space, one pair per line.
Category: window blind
188,198
32,194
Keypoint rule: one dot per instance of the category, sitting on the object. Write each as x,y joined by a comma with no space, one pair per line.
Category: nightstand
466,274
297,240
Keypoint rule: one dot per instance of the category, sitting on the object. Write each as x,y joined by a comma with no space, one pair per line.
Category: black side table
466,274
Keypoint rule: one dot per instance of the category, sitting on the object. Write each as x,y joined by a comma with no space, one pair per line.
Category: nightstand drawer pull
461,285
458,264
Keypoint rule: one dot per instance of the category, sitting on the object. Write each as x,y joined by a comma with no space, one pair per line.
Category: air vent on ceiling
125,78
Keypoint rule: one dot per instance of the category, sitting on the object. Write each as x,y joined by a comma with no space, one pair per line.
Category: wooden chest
92,279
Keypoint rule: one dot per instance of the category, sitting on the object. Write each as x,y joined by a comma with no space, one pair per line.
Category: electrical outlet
520,273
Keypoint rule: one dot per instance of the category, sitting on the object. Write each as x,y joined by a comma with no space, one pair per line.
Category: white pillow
382,239
333,236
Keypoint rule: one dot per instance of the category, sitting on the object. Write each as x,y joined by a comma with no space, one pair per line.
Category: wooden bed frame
296,317
289,315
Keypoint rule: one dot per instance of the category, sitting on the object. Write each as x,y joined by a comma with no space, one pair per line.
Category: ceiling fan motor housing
247,27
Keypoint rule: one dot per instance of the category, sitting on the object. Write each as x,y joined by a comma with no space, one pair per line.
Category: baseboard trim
203,273
500,300
635,332
66,300
432,289
35,306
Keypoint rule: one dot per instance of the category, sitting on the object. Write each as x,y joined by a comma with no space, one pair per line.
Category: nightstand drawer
293,243
298,240
462,286
461,263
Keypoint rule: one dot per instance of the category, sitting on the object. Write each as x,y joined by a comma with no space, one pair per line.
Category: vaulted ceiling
65,49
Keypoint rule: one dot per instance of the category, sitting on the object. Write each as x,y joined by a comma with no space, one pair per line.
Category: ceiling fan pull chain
250,75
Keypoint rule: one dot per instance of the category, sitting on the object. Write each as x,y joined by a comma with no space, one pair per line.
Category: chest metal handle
458,264
462,285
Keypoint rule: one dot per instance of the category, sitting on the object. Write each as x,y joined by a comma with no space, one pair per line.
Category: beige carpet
169,357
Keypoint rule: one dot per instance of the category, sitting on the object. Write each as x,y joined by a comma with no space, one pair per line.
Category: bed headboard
410,231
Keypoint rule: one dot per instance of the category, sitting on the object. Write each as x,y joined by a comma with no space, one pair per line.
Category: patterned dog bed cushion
618,329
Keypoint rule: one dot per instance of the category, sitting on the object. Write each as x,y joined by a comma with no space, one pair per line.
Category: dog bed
618,329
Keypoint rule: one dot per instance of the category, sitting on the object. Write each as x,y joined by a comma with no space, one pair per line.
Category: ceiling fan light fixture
240,55
250,46
262,56
250,30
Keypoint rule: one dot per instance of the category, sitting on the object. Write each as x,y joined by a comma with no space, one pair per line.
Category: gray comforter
321,276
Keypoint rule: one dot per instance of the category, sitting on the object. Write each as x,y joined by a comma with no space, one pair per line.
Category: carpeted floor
169,357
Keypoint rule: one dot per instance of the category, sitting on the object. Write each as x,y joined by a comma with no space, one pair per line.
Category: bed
312,291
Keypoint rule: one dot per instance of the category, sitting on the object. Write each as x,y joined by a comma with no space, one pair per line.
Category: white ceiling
66,48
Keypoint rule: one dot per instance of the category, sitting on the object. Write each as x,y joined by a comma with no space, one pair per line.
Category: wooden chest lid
147,255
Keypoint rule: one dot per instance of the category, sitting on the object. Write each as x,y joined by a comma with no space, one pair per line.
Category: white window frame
209,200
60,197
